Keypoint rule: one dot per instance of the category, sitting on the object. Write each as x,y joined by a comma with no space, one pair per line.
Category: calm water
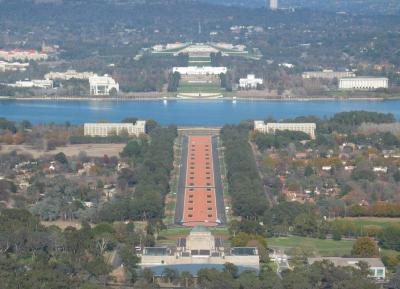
181,112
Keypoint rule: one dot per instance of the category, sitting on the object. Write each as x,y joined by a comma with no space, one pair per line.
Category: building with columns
328,74
102,85
107,129
200,70
250,82
198,250
262,127
363,83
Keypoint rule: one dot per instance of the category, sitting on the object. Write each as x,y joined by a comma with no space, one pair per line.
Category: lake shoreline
230,98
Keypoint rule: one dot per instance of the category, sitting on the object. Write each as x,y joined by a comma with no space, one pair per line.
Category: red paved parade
199,198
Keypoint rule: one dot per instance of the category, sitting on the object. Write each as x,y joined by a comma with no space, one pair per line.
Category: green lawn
200,64
174,231
199,87
373,221
318,246
200,58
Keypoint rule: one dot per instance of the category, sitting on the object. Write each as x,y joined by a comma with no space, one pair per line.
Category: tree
131,261
231,269
390,238
308,171
250,280
132,120
395,281
187,279
113,92
61,158
365,247
98,268
170,275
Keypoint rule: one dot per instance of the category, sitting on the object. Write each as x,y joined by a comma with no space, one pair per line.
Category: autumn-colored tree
19,138
365,247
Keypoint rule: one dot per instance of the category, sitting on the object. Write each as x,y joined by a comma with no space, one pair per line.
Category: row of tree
245,186
153,161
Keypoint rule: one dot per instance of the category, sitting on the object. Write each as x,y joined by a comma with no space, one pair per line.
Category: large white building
199,249
328,74
376,267
272,127
107,129
69,74
197,70
102,85
13,66
250,82
273,4
22,55
35,83
363,83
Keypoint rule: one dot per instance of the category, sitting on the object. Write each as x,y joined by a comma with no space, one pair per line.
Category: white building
69,74
106,129
102,85
203,70
251,82
363,83
273,4
22,55
328,74
308,128
380,169
376,267
200,248
35,83
13,66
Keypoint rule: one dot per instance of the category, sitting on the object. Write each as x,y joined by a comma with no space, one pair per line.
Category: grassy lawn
199,87
319,246
200,63
176,231
199,58
373,221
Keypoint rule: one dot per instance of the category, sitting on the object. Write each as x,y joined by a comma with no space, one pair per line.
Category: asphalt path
180,196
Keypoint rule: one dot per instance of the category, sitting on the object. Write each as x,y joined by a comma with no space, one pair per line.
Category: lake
182,112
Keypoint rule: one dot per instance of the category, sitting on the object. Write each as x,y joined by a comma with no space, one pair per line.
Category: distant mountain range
350,6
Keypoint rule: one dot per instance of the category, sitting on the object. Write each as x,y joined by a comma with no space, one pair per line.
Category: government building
69,74
328,74
102,85
200,70
250,82
363,83
308,128
198,250
108,129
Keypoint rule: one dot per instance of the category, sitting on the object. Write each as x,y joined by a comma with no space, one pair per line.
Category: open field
318,246
94,150
373,221
196,88
62,224
325,248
